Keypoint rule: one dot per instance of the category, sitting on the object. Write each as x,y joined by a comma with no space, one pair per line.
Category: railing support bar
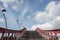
2,36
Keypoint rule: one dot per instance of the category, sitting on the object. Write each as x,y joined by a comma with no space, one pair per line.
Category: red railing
49,34
14,33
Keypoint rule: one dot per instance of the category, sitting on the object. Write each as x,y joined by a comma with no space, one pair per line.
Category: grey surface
31,35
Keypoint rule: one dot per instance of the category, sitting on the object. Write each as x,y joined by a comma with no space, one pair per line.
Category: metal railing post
2,36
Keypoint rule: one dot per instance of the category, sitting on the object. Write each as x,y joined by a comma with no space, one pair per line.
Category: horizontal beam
10,31
54,30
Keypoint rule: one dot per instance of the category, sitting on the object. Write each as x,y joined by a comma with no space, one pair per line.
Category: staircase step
31,39
31,35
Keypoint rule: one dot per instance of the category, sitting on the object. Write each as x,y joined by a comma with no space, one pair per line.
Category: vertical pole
14,36
5,25
17,35
11,37
52,36
2,36
8,36
56,36
18,23
48,36
4,10
5,20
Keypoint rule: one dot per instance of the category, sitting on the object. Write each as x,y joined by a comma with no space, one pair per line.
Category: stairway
31,35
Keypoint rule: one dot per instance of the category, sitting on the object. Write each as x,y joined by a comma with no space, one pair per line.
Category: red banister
49,33
15,32
10,31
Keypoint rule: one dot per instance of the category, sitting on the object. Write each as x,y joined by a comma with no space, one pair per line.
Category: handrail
15,32
48,34
11,31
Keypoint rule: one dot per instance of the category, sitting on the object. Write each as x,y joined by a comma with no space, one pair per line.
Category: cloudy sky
32,14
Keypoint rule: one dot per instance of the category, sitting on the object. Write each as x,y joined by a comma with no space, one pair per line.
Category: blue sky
31,13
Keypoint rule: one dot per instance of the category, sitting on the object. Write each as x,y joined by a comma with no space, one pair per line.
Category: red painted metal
11,31
3,31
2,36
8,36
48,34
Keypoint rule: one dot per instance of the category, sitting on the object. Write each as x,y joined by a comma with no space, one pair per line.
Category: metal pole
5,20
18,23
4,10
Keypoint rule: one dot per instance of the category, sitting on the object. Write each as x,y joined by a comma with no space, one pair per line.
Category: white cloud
23,12
51,11
43,17
46,26
14,7
53,8
28,17
56,23
50,18
5,2
1,20
14,4
33,27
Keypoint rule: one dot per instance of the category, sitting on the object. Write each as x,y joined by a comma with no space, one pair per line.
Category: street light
18,23
3,11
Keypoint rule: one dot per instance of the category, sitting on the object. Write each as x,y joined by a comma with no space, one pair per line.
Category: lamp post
18,23
3,11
